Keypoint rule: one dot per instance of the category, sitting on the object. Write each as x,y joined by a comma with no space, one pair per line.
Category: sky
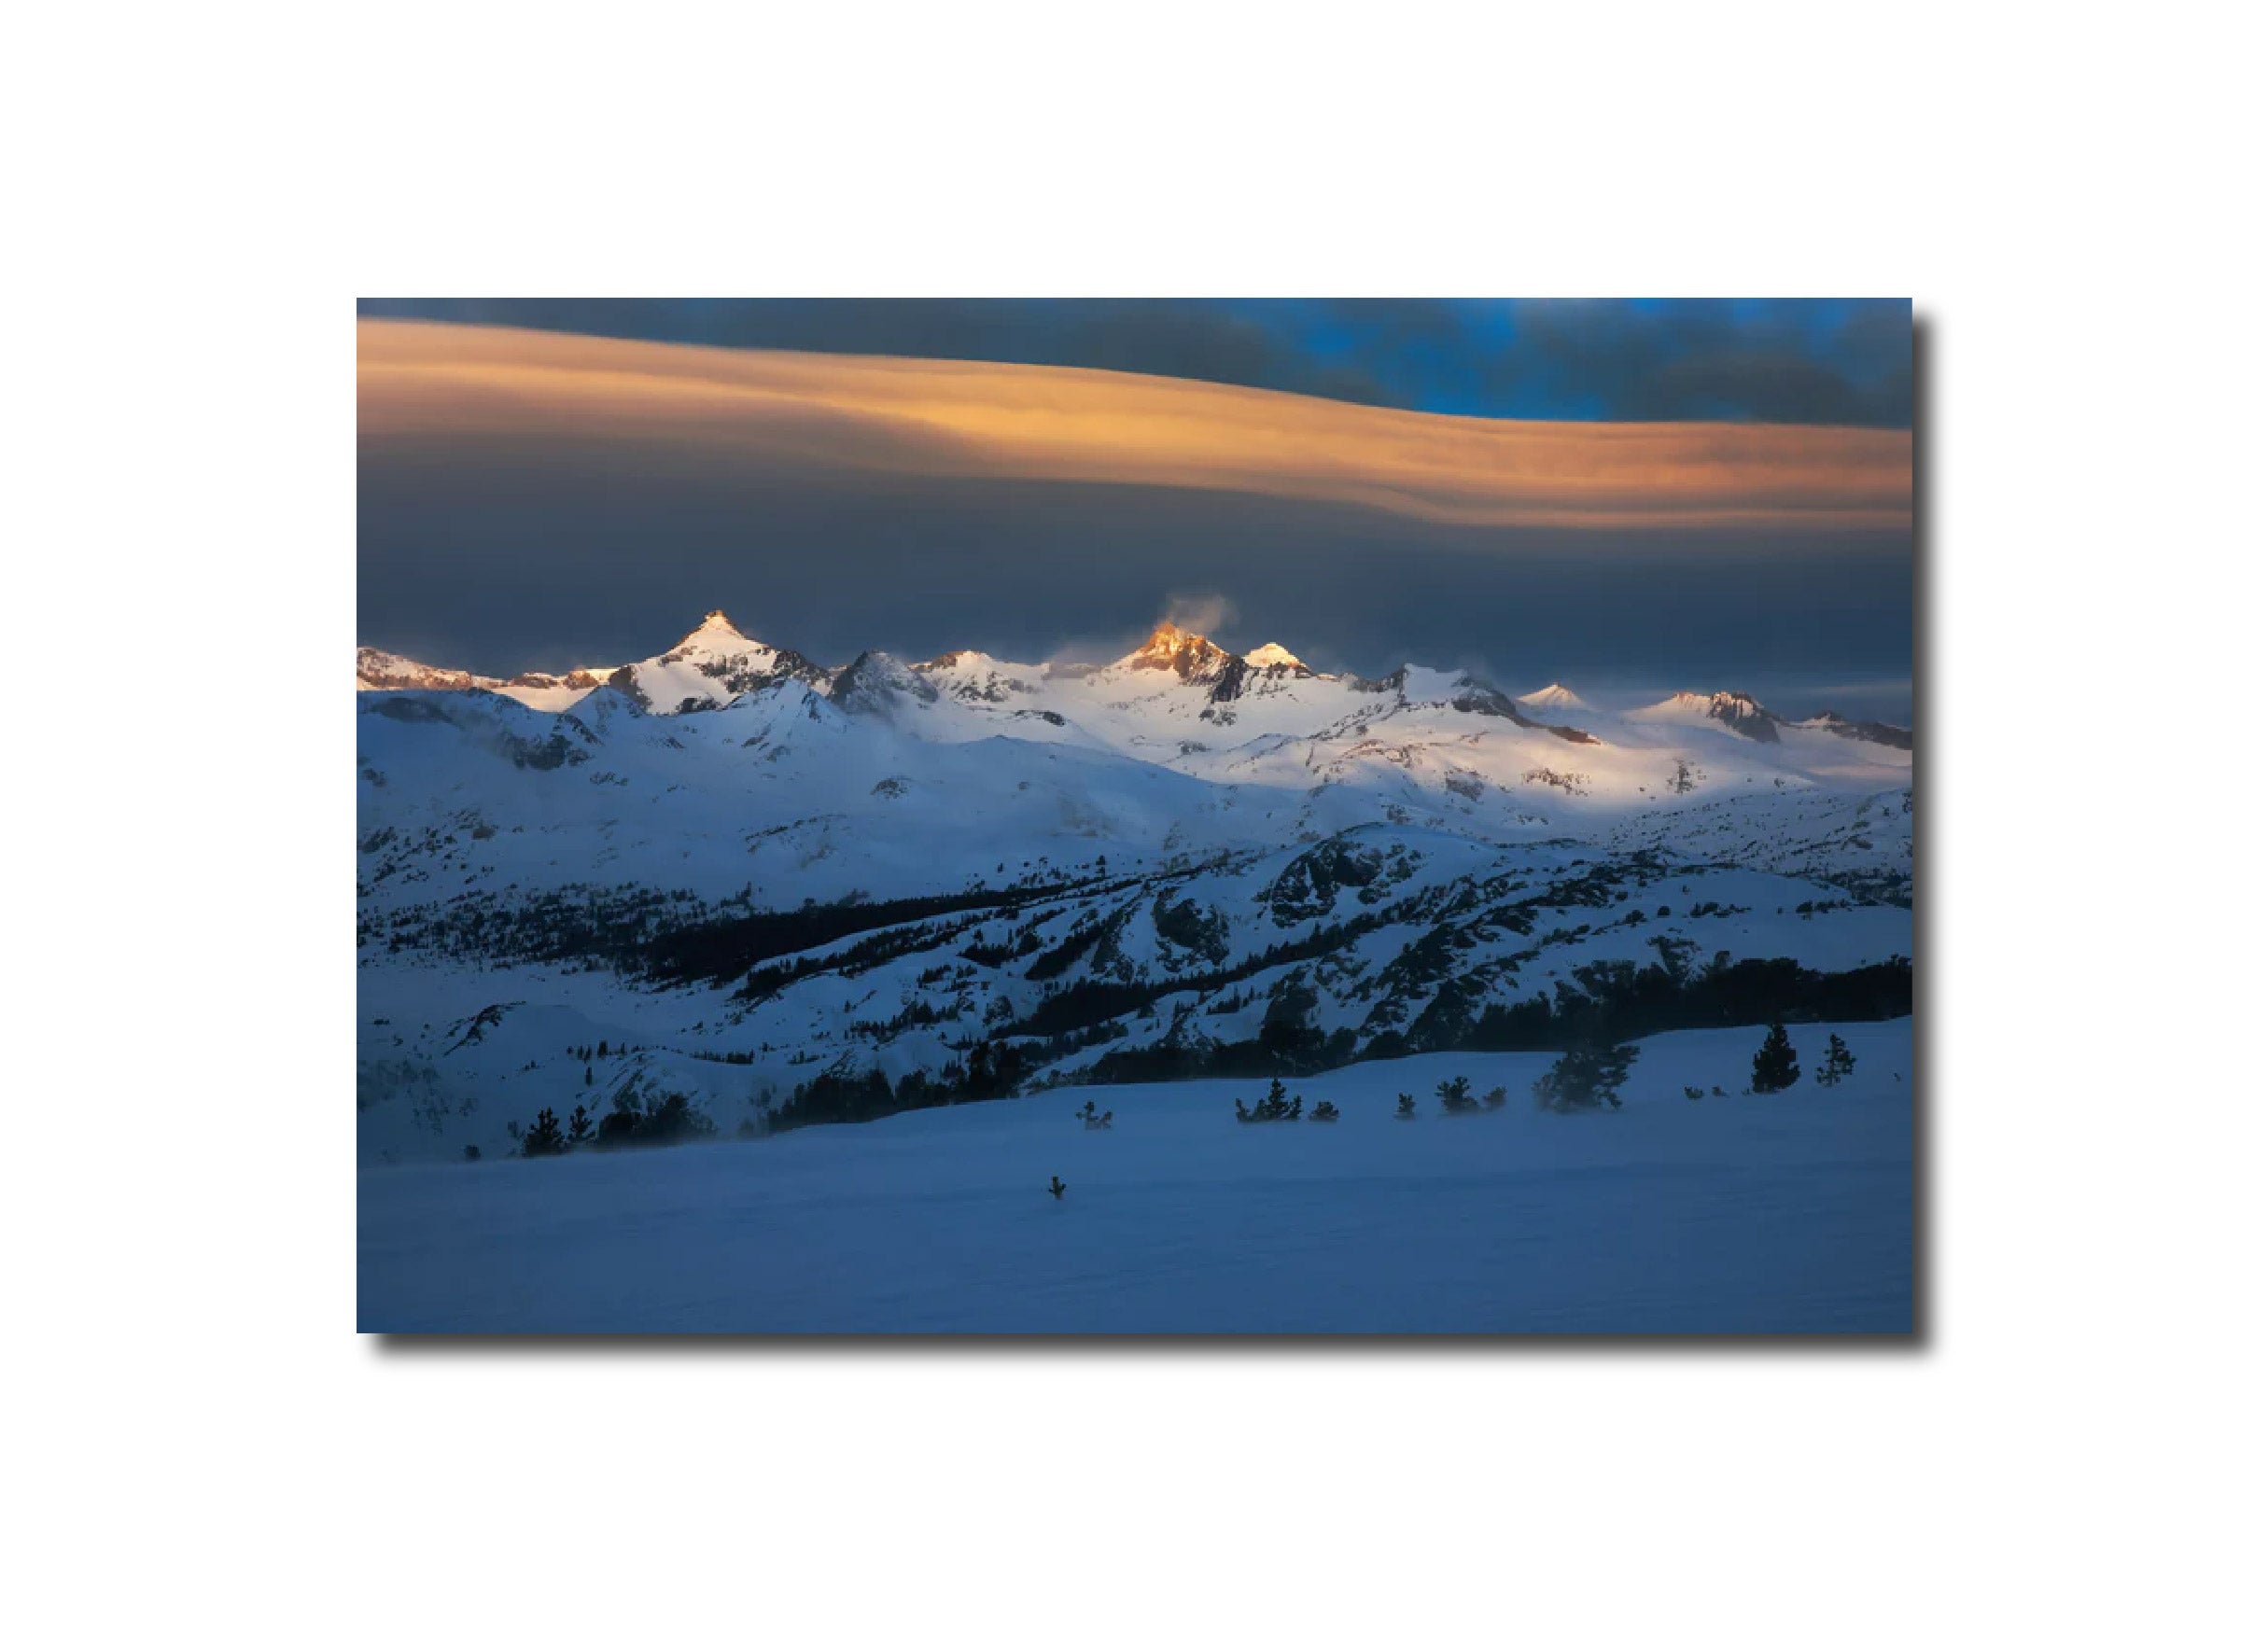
1628,495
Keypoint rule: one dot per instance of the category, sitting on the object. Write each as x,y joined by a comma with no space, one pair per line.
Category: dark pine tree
1774,1068
544,1137
1588,1076
1275,1107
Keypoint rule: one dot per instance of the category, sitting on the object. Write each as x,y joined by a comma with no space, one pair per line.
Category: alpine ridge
715,663
766,878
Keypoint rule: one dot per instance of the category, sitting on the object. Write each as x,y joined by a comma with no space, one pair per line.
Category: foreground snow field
1784,1214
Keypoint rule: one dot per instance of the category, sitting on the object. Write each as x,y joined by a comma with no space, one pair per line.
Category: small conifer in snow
1775,1069
1274,1108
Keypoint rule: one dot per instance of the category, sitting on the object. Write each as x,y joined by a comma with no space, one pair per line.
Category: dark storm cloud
525,563
1790,362
1801,362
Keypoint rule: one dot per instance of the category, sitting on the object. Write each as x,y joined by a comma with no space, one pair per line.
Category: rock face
1740,712
1863,731
877,683
376,670
1475,696
1190,658
1735,710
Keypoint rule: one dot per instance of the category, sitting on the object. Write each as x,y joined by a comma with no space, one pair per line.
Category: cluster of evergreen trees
992,1070
1275,1107
1608,1001
1589,1076
1085,1002
667,1118
1775,1067
1616,1000
636,1119
1456,1096
547,1138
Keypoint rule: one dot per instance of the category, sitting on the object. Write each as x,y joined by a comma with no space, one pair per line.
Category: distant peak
1554,695
876,681
1736,710
717,635
1170,636
1273,656
716,628
1191,657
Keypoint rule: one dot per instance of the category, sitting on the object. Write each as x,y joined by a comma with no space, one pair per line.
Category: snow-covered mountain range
765,875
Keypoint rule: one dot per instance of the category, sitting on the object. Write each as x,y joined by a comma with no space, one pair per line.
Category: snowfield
1792,1213
834,914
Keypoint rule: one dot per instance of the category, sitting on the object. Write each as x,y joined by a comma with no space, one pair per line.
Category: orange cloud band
919,416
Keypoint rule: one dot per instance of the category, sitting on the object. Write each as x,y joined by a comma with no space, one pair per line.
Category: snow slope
1181,851
1792,1213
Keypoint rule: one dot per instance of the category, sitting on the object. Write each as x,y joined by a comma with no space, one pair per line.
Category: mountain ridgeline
791,893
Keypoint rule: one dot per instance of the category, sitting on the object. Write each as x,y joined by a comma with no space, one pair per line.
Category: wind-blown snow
1792,1213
